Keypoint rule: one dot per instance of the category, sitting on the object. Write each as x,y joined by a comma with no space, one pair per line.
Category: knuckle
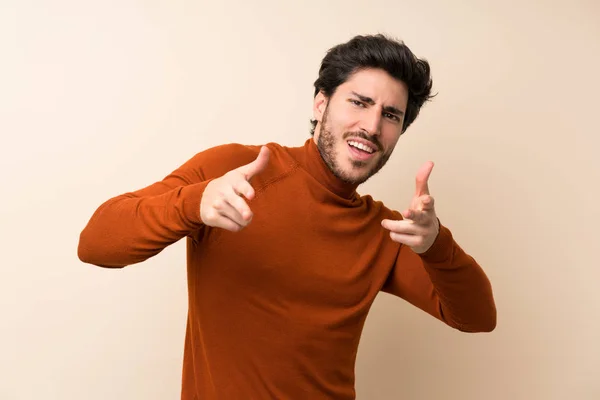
211,215
247,188
220,190
219,203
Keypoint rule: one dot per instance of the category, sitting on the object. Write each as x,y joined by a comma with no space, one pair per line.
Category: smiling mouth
359,151
362,147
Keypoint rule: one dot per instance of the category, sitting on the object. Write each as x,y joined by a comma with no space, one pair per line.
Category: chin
354,175
358,172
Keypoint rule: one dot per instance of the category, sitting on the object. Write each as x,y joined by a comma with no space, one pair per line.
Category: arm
445,282
432,272
133,227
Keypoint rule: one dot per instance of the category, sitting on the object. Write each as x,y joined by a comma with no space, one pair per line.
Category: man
284,258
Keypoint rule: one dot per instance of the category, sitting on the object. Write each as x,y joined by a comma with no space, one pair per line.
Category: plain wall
99,98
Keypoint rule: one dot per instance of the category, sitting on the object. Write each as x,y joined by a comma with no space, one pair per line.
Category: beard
326,143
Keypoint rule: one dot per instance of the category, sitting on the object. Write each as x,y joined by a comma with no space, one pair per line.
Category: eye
357,103
392,117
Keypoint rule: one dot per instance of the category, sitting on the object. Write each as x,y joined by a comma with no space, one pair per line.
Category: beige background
102,97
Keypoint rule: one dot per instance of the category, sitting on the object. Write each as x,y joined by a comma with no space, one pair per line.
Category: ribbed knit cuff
192,196
441,249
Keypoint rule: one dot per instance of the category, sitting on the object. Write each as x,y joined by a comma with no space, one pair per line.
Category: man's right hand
222,204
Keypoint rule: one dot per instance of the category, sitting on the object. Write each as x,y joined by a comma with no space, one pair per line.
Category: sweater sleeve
445,282
135,226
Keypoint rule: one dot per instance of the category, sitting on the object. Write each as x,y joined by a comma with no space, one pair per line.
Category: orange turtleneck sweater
276,310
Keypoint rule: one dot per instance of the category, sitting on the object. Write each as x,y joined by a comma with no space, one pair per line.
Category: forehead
378,85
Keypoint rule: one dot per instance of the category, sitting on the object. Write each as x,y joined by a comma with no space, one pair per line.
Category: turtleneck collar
309,157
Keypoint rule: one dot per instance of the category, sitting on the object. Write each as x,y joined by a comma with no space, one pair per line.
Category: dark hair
376,51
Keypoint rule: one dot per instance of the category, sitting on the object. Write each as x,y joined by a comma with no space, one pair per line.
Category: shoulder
225,156
218,160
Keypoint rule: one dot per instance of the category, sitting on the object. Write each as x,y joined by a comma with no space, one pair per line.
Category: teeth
360,146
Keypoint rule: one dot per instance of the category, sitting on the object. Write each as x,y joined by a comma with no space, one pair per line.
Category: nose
371,122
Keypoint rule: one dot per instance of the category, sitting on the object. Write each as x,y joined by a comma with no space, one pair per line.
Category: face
359,126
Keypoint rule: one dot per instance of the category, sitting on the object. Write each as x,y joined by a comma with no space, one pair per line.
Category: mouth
361,150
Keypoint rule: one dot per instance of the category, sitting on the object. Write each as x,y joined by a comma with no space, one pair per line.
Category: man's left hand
420,226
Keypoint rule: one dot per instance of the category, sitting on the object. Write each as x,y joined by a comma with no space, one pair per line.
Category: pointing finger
256,166
241,208
423,178
244,188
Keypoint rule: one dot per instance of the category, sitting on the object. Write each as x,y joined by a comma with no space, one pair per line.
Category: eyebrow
368,100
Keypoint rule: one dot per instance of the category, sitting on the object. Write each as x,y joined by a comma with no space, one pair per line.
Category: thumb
422,179
256,166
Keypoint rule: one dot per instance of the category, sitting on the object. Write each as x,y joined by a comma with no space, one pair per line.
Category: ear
319,106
